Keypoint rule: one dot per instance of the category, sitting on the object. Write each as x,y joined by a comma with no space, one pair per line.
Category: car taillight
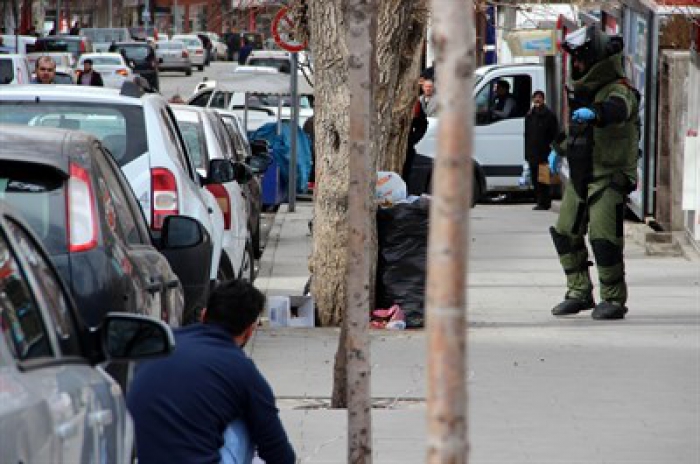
82,216
185,54
224,201
164,188
82,47
122,72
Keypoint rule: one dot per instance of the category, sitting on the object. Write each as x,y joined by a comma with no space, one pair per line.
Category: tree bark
447,245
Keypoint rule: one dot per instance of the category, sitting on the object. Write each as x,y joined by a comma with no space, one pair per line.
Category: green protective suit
599,207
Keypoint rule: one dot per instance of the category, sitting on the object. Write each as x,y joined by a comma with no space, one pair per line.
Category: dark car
257,156
76,45
57,404
80,205
141,57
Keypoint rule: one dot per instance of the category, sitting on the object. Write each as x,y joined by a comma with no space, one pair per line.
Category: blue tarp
280,145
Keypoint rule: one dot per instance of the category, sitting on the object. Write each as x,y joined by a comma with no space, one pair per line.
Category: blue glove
583,114
553,159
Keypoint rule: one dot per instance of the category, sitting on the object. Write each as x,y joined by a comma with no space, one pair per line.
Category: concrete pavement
541,389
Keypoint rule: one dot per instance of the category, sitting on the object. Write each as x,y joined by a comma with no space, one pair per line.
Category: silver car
174,56
56,404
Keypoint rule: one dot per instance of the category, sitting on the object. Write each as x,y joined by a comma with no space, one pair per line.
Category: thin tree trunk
447,246
360,37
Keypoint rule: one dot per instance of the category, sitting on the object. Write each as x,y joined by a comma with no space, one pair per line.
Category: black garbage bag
403,254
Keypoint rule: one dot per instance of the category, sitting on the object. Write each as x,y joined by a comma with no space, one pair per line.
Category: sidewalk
541,390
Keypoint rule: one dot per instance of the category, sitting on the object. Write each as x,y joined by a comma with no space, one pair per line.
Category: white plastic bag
391,188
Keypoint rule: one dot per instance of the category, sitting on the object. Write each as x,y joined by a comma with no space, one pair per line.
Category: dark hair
503,83
234,305
538,92
87,61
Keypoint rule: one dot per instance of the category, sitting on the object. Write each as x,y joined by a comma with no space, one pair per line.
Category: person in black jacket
541,127
88,76
419,125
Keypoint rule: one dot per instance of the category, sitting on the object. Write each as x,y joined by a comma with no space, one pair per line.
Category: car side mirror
221,171
259,163
181,232
243,172
128,337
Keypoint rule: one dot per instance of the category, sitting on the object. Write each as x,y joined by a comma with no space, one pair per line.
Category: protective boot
573,306
606,310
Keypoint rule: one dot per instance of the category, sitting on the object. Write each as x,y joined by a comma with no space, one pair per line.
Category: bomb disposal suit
601,148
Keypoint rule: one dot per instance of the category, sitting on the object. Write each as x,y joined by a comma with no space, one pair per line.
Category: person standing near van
601,147
428,100
541,128
245,50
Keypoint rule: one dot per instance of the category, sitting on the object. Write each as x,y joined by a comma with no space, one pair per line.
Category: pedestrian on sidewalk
207,402
605,109
541,128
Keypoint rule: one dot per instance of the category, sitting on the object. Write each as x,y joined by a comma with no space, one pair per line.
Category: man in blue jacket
183,404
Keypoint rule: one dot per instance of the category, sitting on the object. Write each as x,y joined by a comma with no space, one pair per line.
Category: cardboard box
278,311
291,311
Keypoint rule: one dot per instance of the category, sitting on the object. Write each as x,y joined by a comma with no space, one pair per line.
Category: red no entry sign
283,31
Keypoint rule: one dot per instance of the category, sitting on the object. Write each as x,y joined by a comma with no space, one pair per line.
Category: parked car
14,69
174,56
103,37
195,47
111,66
74,44
141,57
19,44
207,139
141,134
81,207
262,108
256,155
57,404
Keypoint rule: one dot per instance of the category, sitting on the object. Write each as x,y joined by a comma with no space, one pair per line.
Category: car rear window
171,46
105,60
7,72
136,53
121,128
58,45
37,193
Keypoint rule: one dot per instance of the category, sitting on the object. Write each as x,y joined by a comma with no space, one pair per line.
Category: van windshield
121,128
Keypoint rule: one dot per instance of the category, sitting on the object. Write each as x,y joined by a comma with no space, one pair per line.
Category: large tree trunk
401,32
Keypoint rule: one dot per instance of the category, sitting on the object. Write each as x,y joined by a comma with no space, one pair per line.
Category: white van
14,69
499,144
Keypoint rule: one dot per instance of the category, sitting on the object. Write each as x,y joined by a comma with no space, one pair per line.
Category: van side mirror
221,171
126,337
181,232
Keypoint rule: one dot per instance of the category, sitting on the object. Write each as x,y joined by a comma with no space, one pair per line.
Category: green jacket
616,129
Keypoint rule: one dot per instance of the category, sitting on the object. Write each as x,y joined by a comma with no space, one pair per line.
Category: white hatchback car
207,139
141,133
111,66
194,47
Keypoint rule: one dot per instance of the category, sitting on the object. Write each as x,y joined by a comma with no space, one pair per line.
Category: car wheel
188,72
201,68
248,267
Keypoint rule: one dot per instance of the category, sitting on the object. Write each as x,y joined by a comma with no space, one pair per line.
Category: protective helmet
590,45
